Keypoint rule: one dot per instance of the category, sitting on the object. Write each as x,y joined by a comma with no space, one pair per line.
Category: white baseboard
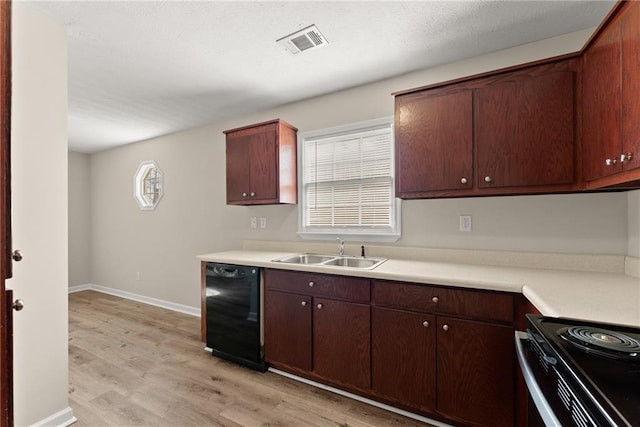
192,311
79,288
362,399
63,418
632,266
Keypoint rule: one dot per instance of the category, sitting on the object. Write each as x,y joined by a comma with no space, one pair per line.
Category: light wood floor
135,364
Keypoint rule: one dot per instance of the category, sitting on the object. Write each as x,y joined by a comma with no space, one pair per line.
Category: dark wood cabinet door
433,141
342,342
403,357
631,86
601,99
6,297
261,164
252,165
475,372
238,168
525,130
263,155
288,329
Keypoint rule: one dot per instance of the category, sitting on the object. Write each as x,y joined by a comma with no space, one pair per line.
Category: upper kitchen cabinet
525,129
434,142
261,164
510,132
611,88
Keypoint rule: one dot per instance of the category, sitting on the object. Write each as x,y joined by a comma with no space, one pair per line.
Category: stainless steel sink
333,261
355,262
306,259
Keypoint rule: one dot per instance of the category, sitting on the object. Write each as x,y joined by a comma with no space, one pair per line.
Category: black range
581,373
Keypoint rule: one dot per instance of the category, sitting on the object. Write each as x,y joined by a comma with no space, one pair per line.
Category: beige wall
633,218
79,219
192,218
39,183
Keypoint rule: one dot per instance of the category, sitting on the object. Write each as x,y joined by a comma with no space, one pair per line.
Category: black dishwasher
233,313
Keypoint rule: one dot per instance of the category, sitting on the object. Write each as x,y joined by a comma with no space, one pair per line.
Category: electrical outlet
253,221
263,222
465,222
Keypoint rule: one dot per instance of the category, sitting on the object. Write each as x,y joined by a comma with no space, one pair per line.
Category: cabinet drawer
323,285
484,305
477,304
404,295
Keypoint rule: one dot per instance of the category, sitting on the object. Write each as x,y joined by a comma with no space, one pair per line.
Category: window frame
367,234
148,201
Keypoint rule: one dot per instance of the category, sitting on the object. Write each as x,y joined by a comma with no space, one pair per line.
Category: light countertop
602,297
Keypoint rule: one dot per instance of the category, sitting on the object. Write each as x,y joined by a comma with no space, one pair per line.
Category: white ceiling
147,68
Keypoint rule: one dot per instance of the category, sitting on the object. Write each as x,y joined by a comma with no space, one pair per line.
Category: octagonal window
147,185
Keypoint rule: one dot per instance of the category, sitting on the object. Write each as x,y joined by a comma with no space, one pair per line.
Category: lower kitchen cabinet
323,338
475,372
443,352
341,342
287,331
403,352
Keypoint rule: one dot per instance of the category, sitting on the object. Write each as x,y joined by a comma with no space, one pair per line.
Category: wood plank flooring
136,364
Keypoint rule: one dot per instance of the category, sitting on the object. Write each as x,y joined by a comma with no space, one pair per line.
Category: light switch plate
465,223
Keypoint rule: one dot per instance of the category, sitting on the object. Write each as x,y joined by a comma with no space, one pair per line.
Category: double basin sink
364,263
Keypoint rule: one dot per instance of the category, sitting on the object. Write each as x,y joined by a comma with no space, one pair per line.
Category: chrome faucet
340,246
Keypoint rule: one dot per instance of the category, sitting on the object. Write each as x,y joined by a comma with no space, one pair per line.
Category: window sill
350,236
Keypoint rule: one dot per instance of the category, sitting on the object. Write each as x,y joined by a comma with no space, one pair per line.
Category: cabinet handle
445,327
244,194
252,194
487,179
626,157
303,303
320,306
425,324
610,162
311,284
435,300
463,180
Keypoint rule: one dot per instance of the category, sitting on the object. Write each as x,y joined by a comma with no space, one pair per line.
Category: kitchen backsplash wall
633,218
153,252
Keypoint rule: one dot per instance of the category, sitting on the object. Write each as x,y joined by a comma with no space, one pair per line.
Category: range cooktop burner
602,342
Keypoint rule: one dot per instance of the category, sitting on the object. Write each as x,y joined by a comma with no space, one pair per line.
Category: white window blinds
347,181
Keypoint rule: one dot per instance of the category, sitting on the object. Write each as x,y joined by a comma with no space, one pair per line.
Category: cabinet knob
435,300
320,306
425,323
487,179
445,327
244,194
610,162
17,305
303,303
252,194
311,284
17,255
626,157
463,180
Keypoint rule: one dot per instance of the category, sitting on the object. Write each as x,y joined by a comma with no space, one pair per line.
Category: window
147,185
347,183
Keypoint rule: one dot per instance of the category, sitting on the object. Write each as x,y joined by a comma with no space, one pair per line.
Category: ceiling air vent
305,39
